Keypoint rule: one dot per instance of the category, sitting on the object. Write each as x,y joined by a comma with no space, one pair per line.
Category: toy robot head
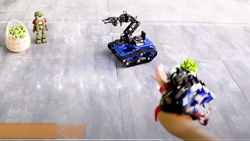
38,14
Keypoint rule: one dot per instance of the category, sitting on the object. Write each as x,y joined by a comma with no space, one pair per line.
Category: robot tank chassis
131,51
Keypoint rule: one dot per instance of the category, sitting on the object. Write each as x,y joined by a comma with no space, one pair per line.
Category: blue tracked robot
130,50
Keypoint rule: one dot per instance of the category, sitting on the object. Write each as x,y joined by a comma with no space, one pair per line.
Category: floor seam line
119,94
236,82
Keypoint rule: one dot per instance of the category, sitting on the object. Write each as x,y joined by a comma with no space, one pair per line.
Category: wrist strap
157,110
164,88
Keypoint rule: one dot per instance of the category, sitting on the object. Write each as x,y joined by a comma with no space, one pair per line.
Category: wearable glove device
185,94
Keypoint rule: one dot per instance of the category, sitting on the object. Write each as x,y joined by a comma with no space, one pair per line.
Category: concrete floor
74,79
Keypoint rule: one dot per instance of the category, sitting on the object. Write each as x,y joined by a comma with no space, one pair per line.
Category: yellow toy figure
40,24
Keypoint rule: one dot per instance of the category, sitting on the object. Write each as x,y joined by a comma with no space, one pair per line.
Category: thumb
161,76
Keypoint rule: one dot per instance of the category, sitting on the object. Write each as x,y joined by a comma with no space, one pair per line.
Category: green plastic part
38,41
44,40
38,37
190,65
43,36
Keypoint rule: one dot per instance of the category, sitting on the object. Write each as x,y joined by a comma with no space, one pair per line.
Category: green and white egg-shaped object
17,37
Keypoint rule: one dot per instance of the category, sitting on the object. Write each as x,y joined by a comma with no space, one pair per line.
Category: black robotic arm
124,18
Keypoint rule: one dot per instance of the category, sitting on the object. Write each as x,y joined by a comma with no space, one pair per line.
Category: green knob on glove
190,65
